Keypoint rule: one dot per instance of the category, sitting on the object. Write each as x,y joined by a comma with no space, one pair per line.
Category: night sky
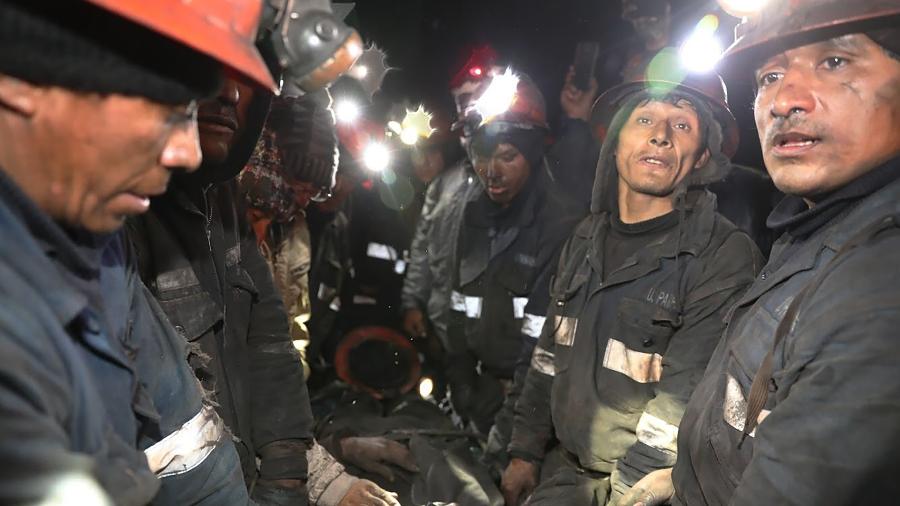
428,40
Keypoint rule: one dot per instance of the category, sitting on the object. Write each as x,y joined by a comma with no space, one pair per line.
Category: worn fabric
429,278
164,397
287,251
199,258
570,485
502,254
262,183
379,248
641,333
83,47
827,435
202,263
449,471
71,404
330,271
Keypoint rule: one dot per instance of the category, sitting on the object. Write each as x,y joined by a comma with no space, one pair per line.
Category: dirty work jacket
621,352
828,434
71,404
499,264
429,278
204,268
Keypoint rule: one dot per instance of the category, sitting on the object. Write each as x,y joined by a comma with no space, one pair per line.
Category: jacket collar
691,236
42,248
805,253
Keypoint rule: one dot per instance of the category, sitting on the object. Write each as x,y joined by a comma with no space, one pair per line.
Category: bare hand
577,103
374,454
519,481
414,323
366,493
653,489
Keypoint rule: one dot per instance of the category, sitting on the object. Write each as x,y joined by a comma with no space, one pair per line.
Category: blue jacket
71,407
106,376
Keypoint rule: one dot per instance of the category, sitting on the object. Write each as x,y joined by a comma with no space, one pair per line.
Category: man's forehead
851,42
677,101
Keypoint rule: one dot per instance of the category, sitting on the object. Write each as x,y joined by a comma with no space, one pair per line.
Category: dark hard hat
378,360
783,24
666,78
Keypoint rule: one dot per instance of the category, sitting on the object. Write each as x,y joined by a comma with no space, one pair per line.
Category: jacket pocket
638,340
187,305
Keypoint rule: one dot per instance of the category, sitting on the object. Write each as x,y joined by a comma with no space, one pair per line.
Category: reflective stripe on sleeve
381,251
532,325
187,447
637,365
657,433
473,307
519,304
542,361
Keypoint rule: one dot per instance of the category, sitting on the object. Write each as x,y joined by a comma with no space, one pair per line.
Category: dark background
427,41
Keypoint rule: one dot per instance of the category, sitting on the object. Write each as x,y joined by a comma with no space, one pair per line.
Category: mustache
793,123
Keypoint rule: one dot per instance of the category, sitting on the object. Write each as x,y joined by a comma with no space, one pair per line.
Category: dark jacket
501,256
330,271
149,392
71,404
429,279
621,352
828,434
199,257
746,196
203,266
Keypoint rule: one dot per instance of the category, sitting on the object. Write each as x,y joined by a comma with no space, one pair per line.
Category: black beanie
76,45
305,135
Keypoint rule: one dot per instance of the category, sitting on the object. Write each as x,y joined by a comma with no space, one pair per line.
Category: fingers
379,496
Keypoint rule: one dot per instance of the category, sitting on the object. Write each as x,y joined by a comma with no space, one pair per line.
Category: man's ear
19,96
703,160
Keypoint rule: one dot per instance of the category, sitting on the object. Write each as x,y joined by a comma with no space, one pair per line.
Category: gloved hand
414,323
651,490
376,454
519,481
366,493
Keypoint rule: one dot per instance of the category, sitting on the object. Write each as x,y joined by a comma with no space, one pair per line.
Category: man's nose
661,136
182,149
793,95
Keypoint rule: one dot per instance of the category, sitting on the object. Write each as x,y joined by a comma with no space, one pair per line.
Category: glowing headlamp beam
702,50
347,111
376,157
498,97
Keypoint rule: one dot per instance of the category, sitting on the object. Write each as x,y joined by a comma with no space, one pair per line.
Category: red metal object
222,29
782,24
375,333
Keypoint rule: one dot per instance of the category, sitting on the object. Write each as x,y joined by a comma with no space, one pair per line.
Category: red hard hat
782,24
221,29
357,363
667,77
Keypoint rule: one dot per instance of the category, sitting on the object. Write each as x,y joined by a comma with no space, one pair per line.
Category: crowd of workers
223,282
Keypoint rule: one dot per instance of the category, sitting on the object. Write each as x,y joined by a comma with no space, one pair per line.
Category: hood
604,196
240,153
